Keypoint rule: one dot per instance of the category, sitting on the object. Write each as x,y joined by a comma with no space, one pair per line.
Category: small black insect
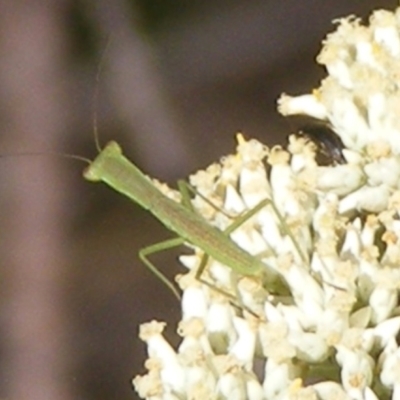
328,142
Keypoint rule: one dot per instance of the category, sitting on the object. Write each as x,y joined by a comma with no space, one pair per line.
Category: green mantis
115,170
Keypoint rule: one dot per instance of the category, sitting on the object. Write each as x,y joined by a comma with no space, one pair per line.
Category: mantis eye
328,142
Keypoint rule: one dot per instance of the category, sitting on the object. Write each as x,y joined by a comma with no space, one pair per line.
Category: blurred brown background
179,79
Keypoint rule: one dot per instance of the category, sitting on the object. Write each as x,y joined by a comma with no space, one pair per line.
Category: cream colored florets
322,320
360,99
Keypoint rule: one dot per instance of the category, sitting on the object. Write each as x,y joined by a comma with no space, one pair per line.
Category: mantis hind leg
235,298
185,189
155,248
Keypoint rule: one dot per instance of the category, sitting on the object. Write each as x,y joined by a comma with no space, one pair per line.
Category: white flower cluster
323,320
